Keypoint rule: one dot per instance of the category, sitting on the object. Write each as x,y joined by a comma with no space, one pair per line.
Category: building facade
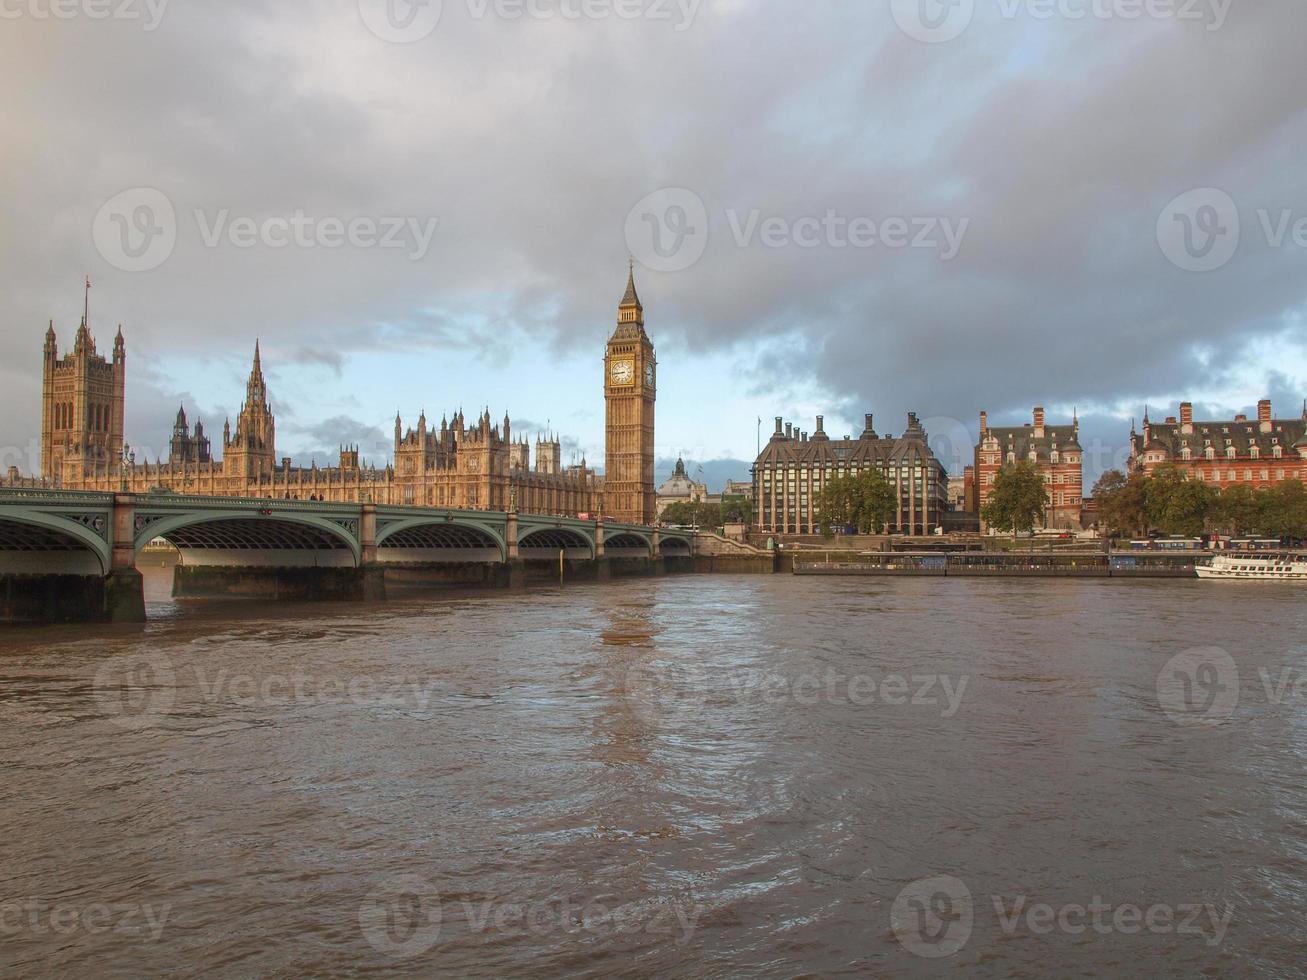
680,489
81,406
460,464
1055,451
630,390
793,468
1227,452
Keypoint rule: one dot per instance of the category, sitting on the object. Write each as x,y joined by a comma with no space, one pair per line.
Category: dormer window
1277,452
1186,453
1255,453
1229,452
1210,453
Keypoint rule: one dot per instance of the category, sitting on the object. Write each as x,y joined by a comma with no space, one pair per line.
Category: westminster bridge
68,555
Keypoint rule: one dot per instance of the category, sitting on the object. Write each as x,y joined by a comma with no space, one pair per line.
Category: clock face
622,372
648,374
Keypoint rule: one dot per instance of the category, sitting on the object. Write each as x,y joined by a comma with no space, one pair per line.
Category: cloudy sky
834,208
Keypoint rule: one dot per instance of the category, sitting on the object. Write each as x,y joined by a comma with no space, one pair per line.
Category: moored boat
1266,567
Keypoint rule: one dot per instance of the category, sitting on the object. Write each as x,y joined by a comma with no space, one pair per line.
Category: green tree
1122,504
693,512
1159,487
1283,511
1019,499
1238,510
737,507
865,500
1188,508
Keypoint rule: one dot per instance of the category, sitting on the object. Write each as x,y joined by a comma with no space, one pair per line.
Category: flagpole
86,306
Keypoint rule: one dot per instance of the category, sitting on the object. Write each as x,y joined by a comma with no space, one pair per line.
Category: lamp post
128,460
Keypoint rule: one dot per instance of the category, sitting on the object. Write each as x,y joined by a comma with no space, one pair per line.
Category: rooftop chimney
789,430
778,425
1171,420
821,420
1241,417
1264,414
1186,417
984,422
1039,421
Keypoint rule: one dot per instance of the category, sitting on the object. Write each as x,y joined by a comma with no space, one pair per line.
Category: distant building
738,488
680,489
793,468
1225,452
1055,451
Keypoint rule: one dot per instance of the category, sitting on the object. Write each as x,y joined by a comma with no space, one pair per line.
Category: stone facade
630,390
793,468
1226,452
1055,451
680,489
460,464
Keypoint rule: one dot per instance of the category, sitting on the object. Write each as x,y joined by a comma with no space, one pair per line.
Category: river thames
684,776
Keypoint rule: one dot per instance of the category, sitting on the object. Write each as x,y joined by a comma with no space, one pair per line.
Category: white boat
1267,567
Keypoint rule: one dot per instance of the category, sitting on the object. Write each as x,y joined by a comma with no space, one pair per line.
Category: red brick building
1055,451
1258,453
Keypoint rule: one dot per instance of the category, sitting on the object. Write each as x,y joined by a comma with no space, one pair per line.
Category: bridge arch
246,538
439,539
619,544
31,533
673,546
547,542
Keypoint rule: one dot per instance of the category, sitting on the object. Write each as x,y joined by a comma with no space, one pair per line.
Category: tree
865,500
1238,509
1019,499
1188,507
1159,486
1122,505
696,513
1283,511
737,508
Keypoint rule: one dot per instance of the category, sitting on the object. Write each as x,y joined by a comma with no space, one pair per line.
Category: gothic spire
631,299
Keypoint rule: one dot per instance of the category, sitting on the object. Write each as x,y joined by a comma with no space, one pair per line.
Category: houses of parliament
476,466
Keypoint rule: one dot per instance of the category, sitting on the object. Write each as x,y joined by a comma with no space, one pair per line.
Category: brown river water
686,776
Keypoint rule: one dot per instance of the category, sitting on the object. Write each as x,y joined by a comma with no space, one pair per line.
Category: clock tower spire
629,393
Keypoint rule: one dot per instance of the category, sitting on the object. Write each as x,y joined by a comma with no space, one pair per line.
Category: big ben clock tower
629,392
